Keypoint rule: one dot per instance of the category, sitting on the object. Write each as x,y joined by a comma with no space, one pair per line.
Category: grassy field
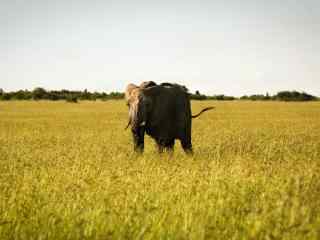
67,171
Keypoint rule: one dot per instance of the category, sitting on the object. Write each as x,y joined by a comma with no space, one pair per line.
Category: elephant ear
129,90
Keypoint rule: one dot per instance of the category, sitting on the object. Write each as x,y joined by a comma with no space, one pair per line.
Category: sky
232,47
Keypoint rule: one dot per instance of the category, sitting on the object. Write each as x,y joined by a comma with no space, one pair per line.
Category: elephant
163,112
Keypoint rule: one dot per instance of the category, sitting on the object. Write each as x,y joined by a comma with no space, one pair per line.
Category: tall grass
67,171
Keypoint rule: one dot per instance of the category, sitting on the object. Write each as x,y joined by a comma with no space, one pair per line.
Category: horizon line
192,92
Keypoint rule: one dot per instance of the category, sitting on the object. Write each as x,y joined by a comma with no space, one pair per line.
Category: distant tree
229,98
103,96
116,95
94,96
245,97
6,96
39,93
198,96
22,95
294,96
85,95
307,97
267,97
72,99
53,95
1,94
257,97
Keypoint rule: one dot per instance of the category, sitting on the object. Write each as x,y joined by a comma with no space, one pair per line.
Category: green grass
67,171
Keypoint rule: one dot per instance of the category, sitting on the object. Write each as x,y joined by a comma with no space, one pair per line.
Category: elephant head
138,104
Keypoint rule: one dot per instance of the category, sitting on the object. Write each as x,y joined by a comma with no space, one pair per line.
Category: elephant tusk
129,122
143,124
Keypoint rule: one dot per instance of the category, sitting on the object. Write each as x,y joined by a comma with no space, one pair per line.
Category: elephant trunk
138,138
137,122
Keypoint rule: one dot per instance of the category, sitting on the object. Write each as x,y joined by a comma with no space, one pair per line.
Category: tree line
73,96
70,96
280,96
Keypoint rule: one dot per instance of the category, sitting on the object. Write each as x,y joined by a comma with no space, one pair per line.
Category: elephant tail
202,111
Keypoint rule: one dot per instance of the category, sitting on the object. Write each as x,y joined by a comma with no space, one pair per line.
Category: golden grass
67,171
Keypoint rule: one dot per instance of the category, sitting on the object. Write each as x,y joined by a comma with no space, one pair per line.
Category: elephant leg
160,148
169,145
165,145
187,146
160,145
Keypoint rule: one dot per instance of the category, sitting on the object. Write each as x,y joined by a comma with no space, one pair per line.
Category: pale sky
232,47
